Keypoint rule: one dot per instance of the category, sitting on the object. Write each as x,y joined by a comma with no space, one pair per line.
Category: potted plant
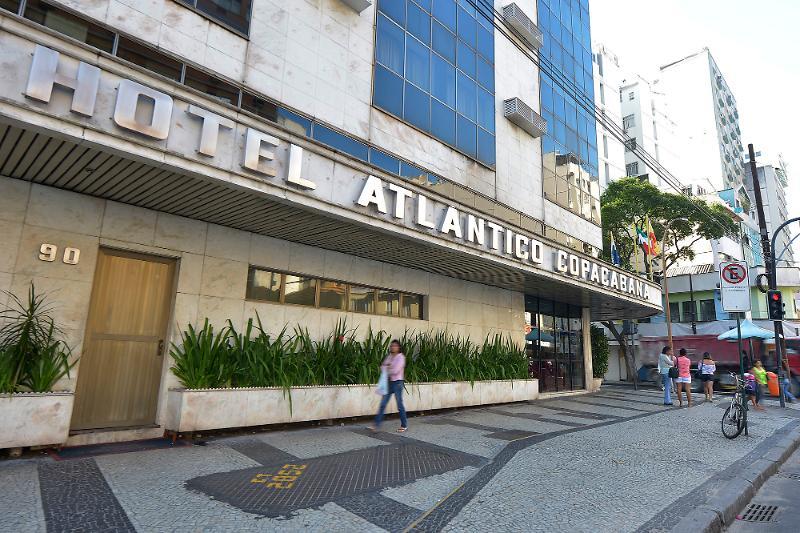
599,356
33,358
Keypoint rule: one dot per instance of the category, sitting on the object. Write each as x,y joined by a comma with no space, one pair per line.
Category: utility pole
769,264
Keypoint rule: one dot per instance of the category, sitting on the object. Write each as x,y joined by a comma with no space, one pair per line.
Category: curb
720,510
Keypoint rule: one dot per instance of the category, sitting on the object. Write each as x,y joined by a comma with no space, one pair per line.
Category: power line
584,102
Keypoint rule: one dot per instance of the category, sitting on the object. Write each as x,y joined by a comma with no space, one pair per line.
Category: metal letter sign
734,283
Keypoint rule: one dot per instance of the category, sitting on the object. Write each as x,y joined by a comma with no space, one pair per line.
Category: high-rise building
167,162
773,181
701,102
608,77
649,126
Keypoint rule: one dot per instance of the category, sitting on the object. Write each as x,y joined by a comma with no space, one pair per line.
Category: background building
608,77
773,181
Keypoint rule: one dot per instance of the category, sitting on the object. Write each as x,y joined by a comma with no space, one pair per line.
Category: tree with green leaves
628,202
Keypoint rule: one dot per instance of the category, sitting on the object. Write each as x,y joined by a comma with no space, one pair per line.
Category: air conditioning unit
357,5
523,116
524,26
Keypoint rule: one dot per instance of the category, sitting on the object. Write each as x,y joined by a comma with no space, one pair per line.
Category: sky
755,44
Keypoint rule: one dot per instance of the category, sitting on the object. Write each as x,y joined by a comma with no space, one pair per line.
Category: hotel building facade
166,162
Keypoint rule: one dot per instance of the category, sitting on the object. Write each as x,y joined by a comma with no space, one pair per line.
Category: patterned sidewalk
615,460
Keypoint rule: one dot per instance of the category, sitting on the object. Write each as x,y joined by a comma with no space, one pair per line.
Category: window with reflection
299,290
70,25
362,299
232,13
434,68
332,294
554,344
144,56
388,303
571,140
264,285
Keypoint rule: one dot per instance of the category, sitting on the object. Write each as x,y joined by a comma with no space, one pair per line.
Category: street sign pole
734,285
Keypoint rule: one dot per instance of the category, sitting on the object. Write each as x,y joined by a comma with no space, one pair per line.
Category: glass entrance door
554,344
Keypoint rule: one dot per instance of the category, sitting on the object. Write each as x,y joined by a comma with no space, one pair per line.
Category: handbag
382,388
673,370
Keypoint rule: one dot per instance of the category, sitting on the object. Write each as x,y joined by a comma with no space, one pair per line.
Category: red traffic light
775,296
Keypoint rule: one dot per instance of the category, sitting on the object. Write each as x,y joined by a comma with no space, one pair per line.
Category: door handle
160,347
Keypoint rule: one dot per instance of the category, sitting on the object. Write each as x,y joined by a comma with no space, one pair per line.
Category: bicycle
735,418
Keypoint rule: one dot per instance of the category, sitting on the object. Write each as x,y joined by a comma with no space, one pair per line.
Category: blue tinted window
433,61
388,91
443,122
410,171
390,47
419,23
466,96
486,147
294,121
485,110
466,59
445,12
486,43
485,74
466,136
341,142
384,161
444,42
417,107
417,63
443,80
396,9
468,6
466,27
424,4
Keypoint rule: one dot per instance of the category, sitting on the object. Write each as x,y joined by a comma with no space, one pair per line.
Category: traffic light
775,305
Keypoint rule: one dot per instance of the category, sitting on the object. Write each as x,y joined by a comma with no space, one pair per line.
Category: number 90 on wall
49,252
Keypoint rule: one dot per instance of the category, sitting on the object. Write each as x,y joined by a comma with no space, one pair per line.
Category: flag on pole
614,252
642,240
651,237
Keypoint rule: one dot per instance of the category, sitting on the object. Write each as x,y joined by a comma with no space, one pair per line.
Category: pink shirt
684,363
397,366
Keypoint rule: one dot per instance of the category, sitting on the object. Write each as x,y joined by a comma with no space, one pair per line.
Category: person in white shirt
705,369
665,362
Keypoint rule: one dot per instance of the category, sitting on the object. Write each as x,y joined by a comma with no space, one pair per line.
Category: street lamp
664,273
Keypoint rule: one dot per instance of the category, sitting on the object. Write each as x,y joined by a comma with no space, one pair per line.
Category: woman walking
706,368
395,364
684,379
664,364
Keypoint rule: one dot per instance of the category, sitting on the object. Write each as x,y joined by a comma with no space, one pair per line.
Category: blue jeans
396,388
787,390
667,381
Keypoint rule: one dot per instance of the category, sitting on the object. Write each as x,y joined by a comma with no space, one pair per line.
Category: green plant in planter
599,352
32,357
204,359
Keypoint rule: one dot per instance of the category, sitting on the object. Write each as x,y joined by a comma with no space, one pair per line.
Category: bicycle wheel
733,421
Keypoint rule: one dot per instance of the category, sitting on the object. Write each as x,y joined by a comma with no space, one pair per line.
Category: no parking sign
734,284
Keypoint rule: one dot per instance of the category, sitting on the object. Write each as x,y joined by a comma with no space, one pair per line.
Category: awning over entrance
47,159
92,125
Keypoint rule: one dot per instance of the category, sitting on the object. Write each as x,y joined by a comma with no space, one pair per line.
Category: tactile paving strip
278,489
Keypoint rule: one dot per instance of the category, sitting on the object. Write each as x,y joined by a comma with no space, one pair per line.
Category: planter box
34,419
204,409
596,384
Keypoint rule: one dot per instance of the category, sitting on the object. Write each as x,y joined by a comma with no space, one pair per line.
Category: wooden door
123,350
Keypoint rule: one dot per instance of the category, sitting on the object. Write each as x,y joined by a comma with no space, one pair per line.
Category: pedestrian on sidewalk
787,382
684,379
664,364
705,369
395,364
761,380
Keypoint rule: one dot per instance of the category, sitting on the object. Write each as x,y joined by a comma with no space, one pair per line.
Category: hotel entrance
123,355
554,344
